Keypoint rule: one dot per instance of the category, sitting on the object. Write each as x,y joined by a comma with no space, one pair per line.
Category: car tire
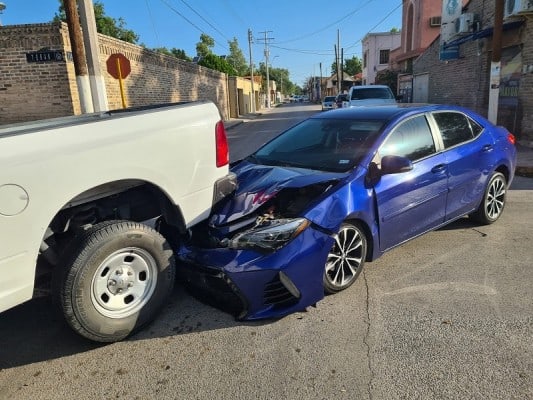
345,259
493,201
115,278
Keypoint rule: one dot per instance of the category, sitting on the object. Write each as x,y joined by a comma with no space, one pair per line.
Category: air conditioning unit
464,24
516,8
435,21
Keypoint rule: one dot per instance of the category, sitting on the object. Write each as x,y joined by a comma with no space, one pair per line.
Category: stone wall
45,89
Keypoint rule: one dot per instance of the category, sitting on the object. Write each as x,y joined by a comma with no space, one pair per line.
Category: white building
376,53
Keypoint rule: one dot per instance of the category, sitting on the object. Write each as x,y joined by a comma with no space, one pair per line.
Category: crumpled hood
259,183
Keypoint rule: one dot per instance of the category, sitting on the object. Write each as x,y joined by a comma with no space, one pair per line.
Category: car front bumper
252,285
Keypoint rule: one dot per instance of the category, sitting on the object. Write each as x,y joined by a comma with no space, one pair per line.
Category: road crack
367,335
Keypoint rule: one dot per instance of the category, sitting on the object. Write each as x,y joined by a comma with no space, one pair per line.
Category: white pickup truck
78,200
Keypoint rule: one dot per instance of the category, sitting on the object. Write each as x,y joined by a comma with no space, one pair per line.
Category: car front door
411,203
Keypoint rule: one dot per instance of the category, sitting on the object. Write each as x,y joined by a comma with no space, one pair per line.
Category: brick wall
30,91
526,84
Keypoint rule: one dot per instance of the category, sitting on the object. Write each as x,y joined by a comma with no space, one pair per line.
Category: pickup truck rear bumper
224,186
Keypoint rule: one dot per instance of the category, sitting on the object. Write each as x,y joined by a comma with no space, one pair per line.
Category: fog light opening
291,287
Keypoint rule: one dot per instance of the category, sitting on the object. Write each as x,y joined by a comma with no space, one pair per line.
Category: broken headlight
270,235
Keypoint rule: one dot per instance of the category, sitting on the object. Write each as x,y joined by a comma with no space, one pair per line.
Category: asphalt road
445,316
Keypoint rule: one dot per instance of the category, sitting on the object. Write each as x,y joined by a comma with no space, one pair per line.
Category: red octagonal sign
112,65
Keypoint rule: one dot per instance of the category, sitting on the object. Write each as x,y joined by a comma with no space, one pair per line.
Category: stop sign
112,65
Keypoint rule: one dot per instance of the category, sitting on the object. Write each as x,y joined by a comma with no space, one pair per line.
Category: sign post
119,68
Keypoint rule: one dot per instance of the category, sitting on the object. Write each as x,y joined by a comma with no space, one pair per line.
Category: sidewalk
524,165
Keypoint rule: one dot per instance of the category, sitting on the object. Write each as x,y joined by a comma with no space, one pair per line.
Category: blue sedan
337,190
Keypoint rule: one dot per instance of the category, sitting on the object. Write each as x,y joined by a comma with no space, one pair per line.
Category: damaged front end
258,256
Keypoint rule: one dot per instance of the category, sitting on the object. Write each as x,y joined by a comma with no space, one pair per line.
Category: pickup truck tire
116,277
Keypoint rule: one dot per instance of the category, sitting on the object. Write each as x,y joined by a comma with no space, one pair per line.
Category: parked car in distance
369,95
328,103
337,190
340,99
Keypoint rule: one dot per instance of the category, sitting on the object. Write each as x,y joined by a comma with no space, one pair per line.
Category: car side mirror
395,165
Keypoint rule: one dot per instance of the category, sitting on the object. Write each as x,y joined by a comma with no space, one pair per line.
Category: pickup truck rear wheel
116,277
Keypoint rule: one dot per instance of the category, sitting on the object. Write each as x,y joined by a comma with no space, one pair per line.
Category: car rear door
468,153
411,203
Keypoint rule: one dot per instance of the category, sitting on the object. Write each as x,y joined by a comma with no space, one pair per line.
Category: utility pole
267,53
495,65
250,39
78,55
339,68
90,39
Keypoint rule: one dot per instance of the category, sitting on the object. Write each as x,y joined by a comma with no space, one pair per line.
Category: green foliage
236,58
104,24
281,76
217,63
178,53
205,46
389,78
395,30
352,66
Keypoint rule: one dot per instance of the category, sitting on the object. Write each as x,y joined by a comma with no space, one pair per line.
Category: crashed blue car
337,190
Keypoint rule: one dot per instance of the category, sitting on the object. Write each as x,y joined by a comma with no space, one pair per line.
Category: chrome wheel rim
124,282
345,257
495,198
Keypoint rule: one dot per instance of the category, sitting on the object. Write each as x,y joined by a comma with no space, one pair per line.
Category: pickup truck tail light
222,145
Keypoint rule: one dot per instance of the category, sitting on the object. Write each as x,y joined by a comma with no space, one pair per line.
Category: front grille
278,295
213,287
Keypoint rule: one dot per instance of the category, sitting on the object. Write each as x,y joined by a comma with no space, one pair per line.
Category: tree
236,58
205,45
178,53
352,66
217,63
104,24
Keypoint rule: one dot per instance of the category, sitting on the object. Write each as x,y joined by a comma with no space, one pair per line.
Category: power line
328,26
190,22
203,19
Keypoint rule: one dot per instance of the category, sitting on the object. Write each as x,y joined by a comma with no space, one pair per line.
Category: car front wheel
345,258
493,202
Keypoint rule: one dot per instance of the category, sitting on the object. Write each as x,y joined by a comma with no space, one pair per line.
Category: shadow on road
35,331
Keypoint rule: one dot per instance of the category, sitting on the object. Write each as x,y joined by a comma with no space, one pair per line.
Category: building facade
465,79
377,48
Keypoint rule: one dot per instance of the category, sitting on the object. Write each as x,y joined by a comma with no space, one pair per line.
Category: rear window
456,128
371,93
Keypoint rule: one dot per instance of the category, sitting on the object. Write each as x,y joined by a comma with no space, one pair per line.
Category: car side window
456,128
411,139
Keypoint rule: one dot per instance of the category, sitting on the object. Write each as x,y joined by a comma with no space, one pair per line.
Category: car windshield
329,98
335,145
371,93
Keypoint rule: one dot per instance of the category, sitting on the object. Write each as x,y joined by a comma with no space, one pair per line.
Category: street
445,316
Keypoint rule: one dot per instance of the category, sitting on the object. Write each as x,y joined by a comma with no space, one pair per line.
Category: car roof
355,87
385,112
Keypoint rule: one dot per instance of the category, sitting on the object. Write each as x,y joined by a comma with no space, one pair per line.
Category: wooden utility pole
495,65
90,39
78,55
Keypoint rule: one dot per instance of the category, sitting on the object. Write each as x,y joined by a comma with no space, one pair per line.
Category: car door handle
487,148
437,169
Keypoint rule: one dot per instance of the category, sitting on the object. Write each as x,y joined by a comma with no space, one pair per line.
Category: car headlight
270,236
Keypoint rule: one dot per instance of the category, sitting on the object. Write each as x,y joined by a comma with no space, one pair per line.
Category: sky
301,34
